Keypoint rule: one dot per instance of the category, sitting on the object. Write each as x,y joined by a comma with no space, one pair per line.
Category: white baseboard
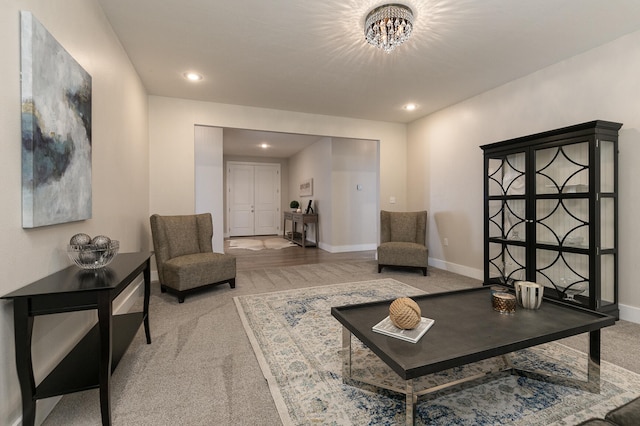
458,269
629,313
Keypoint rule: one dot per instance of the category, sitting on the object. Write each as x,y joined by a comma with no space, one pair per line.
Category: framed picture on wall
56,130
306,188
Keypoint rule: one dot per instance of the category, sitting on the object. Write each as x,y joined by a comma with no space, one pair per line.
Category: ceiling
242,142
310,56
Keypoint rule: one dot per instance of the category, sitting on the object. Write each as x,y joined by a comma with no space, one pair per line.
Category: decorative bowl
569,291
92,256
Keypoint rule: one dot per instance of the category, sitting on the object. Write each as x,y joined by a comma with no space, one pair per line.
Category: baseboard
457,269
629,313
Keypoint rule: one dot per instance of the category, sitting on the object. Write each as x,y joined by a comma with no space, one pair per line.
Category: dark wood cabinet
550,213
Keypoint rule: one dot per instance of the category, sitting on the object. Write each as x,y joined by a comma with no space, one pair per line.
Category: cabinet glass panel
563,221
514,220
507,219
562,169
607,223
607,168
496,221
494,180
496,269
607,278
567,273
506,263
506,175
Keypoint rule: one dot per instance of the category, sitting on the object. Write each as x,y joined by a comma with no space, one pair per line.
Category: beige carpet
253,244
200,368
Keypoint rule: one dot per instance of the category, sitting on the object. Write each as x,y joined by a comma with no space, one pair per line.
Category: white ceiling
242,142
310,55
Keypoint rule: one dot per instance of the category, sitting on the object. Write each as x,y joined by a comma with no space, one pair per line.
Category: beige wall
355,213
209,172
445,161
171,123
120,172
143,158
314,162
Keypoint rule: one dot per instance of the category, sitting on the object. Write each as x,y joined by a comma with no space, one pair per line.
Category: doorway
253,198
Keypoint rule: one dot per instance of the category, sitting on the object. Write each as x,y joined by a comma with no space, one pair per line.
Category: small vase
529,294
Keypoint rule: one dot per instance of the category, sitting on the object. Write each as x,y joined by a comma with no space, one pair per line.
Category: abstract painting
56,130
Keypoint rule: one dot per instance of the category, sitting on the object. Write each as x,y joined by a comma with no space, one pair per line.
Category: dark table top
466,329
73,279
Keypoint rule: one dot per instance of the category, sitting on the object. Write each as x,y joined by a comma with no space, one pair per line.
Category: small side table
303,219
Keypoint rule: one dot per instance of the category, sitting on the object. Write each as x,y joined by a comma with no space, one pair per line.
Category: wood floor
290,256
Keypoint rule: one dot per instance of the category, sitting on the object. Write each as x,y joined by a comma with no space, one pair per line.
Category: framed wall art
56,130
306,188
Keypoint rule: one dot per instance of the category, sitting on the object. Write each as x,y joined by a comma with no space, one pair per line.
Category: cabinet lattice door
551,213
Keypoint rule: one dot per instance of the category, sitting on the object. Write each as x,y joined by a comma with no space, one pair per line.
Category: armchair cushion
401,253
198,269
627,414
403,228
180,233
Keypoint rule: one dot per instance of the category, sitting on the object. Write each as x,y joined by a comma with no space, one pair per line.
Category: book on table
387,328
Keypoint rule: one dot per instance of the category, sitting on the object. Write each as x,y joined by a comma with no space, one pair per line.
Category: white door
267,199
241,209
253,199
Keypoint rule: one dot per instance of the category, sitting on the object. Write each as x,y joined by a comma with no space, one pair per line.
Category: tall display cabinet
550,213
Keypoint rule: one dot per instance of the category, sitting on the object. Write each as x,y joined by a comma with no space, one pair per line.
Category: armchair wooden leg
163,289
380,268
232,282
424,271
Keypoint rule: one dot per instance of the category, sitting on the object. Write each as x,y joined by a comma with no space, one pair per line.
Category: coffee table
467,330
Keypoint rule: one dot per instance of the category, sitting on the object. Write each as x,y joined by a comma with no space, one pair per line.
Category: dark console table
90,363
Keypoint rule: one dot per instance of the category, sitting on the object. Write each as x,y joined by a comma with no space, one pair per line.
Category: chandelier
388,26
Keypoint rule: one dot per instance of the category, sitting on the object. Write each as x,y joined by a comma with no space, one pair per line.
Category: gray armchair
403,240
185,257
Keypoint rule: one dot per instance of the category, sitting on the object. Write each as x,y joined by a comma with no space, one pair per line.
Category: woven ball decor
405,313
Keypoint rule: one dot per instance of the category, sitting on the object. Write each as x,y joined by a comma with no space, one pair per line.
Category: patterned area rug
297,343
269,243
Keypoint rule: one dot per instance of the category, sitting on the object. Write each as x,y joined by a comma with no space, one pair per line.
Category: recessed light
192,76
264,146
410,107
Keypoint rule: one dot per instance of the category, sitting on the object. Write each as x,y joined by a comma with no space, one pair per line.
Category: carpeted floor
201,370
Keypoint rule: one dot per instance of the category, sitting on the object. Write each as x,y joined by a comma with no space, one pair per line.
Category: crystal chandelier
388,26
